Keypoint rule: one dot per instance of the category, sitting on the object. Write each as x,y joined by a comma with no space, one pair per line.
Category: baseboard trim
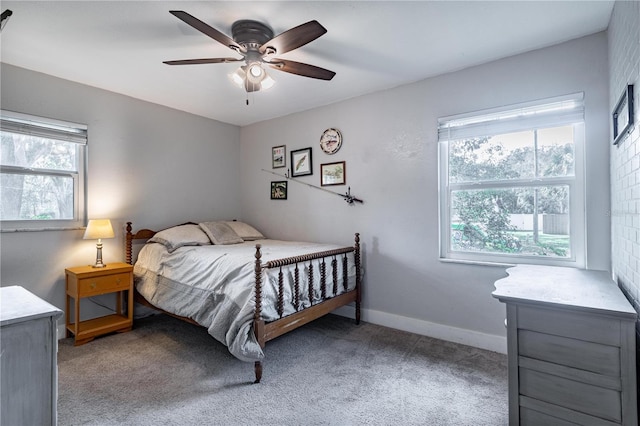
61,330
476,339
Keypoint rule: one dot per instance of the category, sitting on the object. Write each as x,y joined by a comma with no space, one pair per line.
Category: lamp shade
98,228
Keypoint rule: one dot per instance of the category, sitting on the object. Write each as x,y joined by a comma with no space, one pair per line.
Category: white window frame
15,122
563,110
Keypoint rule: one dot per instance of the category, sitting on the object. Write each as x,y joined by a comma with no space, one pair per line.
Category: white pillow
220,233
245,231
179,236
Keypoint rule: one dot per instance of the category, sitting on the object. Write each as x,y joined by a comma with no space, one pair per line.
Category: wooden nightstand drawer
104,284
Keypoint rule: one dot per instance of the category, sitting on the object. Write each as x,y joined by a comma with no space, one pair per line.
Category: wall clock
331,141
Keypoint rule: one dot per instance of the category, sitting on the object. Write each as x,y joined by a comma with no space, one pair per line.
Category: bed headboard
140,237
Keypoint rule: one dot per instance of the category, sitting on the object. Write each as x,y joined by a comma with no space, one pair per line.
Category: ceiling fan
255,42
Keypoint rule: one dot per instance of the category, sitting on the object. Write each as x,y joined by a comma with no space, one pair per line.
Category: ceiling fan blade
202,61
294,38
207,29
299,68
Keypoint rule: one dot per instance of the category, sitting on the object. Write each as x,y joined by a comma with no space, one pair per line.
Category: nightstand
87,281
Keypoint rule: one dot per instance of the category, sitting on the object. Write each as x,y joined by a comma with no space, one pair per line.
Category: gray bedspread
214,285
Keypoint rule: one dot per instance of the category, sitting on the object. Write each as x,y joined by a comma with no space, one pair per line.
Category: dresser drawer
587,327
588,356
581,397
104,284
532,417
538,413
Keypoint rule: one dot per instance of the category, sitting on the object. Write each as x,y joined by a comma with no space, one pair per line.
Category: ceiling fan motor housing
251,34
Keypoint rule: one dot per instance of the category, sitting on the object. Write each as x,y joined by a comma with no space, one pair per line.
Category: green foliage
485,221
483,217
43,216
547,245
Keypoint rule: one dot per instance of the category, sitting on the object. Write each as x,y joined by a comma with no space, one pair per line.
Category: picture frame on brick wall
622,115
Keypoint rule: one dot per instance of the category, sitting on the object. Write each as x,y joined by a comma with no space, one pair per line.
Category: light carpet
329,372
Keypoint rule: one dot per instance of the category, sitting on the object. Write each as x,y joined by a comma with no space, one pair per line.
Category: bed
245,289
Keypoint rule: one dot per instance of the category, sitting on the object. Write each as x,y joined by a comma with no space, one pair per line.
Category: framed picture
333,174
278,156
279,190
623,115
301,162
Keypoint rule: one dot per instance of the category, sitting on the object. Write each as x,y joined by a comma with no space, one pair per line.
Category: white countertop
18,304
571,288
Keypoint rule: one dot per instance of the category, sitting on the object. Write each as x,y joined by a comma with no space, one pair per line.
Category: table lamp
98,229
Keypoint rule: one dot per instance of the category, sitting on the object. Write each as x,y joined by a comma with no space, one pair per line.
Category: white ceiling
120,45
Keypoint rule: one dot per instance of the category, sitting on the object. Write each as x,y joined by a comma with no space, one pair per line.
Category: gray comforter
214,285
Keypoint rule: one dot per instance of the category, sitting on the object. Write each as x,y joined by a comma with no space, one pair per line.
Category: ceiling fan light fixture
238,76
252,78
267,82
256,72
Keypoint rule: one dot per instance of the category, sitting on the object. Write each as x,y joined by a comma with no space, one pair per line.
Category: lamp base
99,263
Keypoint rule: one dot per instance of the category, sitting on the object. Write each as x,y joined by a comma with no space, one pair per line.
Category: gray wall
157,167
390,150
624,68
148,164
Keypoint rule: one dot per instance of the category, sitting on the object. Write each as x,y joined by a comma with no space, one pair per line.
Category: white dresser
571,347
28,360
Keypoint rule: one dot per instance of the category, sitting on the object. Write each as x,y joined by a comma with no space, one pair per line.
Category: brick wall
624,68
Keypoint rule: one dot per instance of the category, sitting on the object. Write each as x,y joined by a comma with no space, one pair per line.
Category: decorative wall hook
350,199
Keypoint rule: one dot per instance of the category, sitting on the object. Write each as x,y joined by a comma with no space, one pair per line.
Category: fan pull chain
253,99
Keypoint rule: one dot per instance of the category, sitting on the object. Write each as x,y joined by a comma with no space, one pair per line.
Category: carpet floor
329,372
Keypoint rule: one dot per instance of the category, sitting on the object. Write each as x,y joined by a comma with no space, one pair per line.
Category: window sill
71,228
477,262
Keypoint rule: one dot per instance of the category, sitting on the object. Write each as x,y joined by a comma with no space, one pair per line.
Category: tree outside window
487,219
511,183
41,173
44,193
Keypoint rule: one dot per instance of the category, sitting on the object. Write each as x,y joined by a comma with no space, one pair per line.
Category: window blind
551,112
15,122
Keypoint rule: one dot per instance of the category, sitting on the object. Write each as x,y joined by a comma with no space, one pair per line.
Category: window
511,184
42,173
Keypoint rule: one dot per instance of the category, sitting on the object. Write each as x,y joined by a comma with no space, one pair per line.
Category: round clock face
331,141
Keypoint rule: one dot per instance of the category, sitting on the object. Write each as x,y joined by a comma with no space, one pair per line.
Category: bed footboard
331,300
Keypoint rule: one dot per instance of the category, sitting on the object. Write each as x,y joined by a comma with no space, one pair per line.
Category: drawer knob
94,285
118,280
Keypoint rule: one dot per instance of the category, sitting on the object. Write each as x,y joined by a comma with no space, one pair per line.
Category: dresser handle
118,280
94,285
